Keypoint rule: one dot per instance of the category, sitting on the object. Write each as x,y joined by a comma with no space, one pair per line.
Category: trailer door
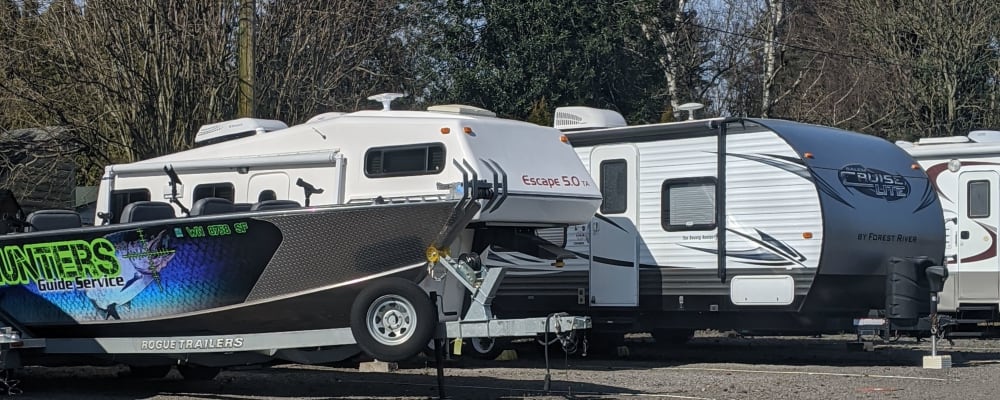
614,274
978,217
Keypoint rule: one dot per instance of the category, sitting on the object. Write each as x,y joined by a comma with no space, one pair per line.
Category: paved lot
710,367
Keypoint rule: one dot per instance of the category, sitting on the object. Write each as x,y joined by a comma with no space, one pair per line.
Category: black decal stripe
494,257
768,246
795,160
524,258
751,254
789,250
608,220
928,198
617,263
829,190
798,169
586,256
660,266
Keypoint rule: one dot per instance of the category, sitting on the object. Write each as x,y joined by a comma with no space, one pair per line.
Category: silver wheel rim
391,320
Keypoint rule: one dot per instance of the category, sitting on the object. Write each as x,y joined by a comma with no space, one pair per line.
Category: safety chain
8,385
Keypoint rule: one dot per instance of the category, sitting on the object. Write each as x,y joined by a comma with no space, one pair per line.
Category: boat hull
233,273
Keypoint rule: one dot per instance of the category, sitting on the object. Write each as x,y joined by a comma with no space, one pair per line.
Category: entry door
614,273
978,217
263,183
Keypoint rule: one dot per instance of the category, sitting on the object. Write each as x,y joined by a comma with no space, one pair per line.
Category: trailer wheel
488,348
198,372
393,319
149,371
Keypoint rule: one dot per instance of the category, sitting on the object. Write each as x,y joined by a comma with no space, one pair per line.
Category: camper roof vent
571,118
943,140
462,109
235,129
984,136
325,116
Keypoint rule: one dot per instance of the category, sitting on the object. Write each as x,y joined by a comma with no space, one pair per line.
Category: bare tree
130,79
919,68
327,55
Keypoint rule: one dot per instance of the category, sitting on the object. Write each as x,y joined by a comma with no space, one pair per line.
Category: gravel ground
712,366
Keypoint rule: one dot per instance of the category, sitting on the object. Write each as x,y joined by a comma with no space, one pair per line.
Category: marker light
808,155
468,130
807,235
564,139
446,130
954,165
915,166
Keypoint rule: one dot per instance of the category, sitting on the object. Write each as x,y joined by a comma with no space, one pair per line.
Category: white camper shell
375,156
965,171
371,156
815,219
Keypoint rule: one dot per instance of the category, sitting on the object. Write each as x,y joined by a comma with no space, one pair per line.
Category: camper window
220,190
614,186
122,198
422,159
688,204
979,199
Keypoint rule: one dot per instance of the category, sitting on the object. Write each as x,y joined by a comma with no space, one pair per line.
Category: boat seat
147,211
275,205
239,207
50,220
212,205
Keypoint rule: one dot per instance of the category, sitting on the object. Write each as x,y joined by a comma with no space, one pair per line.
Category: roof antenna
386,99
690,108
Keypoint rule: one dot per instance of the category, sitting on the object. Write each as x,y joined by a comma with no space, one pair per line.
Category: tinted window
122,198
405,160
979,199
220,190
614,186
688,204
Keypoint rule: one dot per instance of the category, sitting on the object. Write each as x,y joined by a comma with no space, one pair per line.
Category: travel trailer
268,241
819,226
965,171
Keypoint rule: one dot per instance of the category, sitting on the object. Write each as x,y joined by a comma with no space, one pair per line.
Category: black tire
149,371
411,325
488,348
673,337
198,372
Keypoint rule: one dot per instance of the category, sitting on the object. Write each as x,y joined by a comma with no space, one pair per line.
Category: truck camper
736,224
296,243
965,172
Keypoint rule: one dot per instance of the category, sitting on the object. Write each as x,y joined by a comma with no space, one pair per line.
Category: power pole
246,20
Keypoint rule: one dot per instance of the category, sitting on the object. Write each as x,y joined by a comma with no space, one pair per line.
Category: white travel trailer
819,224
965,171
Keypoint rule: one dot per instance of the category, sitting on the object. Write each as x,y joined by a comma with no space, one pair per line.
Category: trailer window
614,186
122,198
688,204
422,159
979,199
220,190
